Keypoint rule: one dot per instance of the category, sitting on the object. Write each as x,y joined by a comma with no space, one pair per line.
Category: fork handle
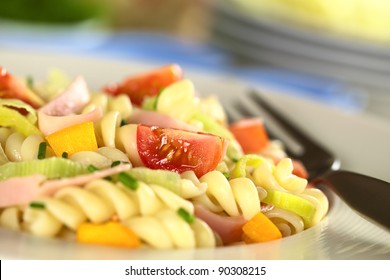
367,195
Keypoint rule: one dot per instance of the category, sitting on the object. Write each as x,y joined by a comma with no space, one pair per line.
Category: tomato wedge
11,87
147,84
250,134
179,150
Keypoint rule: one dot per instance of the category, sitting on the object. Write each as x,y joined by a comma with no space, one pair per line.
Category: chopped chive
128,181
108,178
29,81
37,205
64,155
115,163
226,174
123,122
42,150
183,213
92,168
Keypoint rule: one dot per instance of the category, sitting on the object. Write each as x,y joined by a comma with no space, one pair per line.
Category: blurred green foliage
52,11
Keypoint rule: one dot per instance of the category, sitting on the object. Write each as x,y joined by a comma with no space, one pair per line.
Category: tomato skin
250,134
299,169
11,87
179,150
146,84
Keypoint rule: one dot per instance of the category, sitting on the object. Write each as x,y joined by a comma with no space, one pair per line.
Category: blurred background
334,51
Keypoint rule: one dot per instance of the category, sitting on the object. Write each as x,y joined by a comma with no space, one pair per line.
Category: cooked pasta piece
103,157
167,230
236,197
16,147
115,110
287,222
278,177
99,201
318,198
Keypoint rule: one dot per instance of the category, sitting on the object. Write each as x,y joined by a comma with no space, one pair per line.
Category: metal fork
367,195
316,158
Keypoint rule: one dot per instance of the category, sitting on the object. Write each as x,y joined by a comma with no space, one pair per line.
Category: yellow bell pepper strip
260,229
73,139
109,234
12,118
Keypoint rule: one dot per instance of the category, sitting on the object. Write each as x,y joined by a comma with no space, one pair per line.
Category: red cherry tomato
147,84
179,150
250,134
11,87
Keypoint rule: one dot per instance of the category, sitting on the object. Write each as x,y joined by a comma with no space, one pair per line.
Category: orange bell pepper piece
110,234
260,229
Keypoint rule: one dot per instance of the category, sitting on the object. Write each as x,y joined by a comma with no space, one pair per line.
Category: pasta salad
145,162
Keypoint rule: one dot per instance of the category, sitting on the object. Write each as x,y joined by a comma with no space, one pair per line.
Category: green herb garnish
37,205
115,163
92,168
183,213
226,174
128,181
30,81
42,150
64,155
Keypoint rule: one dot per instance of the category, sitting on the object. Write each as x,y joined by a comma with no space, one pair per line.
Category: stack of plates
254,38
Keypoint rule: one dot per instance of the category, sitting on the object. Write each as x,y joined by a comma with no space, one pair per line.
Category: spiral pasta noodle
278,177
17,147
166,230
287,222
102,158
235,197
115,109
97,202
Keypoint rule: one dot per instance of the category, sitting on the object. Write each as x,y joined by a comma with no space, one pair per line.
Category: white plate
360,141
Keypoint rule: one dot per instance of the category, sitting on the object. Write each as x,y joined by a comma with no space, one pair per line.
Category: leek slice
210,125
57,80
50,167
12,118
293,203
164,178
18,104
249,160
149,103
178,100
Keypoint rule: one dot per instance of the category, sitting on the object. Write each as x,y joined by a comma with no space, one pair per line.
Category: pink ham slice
22,190
50,124
228,228
157,119
19,190
62,111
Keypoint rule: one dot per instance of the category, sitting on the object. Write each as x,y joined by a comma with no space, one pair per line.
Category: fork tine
315,157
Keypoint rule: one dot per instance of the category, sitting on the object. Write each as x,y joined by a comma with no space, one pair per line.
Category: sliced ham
228,228
61,112
50,124
19,190
50,187
70,101
154,118
22,190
